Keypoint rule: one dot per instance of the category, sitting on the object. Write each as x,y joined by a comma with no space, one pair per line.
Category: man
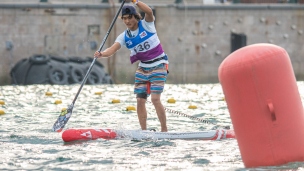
141,39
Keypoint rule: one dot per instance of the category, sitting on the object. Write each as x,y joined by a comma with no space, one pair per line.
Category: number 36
142,47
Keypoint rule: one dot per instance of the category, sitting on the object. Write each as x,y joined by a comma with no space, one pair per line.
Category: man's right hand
98,54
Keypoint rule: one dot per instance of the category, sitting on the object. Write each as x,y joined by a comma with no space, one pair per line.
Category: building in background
196,34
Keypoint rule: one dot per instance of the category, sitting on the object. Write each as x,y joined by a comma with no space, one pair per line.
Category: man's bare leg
160,110
142,113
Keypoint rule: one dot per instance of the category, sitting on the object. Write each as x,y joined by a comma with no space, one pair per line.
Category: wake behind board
93,134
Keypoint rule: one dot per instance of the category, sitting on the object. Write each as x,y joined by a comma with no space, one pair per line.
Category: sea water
28,143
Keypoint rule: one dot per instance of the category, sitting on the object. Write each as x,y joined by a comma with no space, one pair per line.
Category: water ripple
27,142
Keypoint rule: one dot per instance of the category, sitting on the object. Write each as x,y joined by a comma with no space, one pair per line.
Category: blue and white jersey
144,46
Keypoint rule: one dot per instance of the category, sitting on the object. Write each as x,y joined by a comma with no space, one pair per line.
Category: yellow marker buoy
63,109
192,107
131,108
2,102
171,100
115,101
58,101
2,112
98,93
194,90
48,93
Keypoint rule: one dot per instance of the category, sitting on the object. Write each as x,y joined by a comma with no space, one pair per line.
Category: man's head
130,16
128,10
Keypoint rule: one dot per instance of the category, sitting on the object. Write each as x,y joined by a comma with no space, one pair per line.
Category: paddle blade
63,119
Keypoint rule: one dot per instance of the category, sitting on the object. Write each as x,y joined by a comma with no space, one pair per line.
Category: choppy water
27,142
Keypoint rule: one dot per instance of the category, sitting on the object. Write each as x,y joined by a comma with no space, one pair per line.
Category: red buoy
264,104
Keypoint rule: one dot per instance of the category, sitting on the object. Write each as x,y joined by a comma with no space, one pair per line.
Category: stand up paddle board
93,134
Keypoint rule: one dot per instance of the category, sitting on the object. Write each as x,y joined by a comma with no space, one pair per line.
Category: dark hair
137,16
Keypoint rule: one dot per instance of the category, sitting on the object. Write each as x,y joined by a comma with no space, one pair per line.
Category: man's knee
155,98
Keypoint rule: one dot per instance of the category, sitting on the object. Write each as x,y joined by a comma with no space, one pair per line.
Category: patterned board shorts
155,75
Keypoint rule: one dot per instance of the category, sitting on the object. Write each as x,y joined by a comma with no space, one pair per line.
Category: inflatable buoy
115,101
58,102
48,93
264,104
129,108
192,107
98,93
2,102
171,100
2,112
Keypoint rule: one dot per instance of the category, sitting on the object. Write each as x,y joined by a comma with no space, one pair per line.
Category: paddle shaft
100,48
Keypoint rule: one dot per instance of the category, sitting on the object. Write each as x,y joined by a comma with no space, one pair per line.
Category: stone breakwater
197,38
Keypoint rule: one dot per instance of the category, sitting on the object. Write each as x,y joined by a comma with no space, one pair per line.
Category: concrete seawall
195,37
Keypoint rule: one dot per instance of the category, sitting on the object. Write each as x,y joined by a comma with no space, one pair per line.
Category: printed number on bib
142,47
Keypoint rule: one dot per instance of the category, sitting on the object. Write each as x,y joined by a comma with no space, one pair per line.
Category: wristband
135,2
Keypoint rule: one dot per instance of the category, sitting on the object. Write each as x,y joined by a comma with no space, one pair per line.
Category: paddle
66,114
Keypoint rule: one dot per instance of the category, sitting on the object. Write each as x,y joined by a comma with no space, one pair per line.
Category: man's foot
164,130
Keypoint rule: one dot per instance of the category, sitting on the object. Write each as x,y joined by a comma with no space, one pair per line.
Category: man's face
130,21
